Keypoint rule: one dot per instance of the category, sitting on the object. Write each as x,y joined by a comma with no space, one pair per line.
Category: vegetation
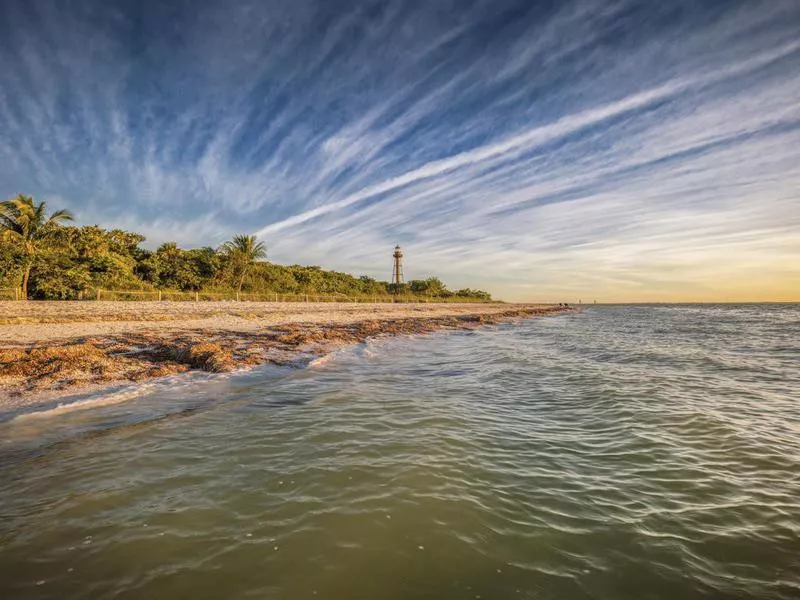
46,259
27,227
242,253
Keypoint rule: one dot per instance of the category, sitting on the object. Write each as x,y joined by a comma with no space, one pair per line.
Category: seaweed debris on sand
132,356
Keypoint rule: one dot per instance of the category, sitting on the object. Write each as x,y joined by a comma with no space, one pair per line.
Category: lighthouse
397,271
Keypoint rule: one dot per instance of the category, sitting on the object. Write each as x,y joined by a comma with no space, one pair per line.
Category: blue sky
622,150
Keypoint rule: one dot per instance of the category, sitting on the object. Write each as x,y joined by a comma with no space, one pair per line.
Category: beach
55,348
614,453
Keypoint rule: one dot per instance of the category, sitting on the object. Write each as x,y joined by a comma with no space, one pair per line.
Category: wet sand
55,348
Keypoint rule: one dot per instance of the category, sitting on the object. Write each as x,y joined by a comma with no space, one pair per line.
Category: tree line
46,258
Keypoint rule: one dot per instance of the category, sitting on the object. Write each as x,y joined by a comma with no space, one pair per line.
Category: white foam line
111,396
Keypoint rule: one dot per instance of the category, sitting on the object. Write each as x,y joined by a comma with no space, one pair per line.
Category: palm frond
61,215
9,208
39,211
8,223
22,216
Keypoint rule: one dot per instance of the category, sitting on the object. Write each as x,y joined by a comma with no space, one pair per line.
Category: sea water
624,452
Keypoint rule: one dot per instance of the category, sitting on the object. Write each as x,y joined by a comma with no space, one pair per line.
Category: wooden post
196,297
306,298
98,293
159,295
276,297
237,295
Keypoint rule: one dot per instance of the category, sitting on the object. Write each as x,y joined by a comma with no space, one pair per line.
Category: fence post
276,297
98,294
196,296
159,295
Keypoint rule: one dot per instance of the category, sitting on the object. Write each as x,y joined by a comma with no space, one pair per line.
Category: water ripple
625,452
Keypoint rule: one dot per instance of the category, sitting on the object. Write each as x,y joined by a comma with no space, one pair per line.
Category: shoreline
94,348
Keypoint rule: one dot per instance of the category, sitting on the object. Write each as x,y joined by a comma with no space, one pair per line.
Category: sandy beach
52,348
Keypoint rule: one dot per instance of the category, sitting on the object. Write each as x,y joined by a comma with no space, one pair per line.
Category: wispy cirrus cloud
617,150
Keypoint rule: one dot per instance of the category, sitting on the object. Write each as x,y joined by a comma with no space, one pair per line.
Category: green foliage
55,276
169,267
62,262
399,289
432,286
26,225
11,267
476,294
241,253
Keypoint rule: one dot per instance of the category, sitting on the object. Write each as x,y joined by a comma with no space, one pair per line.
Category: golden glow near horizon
772,282
670,263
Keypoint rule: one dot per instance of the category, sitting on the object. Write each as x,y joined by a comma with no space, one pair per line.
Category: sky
546,151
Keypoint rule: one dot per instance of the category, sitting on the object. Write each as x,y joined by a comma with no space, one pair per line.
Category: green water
622,453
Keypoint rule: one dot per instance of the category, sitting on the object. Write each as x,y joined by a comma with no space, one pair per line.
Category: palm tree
26,223
243,251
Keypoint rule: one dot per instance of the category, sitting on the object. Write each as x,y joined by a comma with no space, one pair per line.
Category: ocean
624,452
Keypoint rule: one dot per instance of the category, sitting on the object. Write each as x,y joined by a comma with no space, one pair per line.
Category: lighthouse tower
397,271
